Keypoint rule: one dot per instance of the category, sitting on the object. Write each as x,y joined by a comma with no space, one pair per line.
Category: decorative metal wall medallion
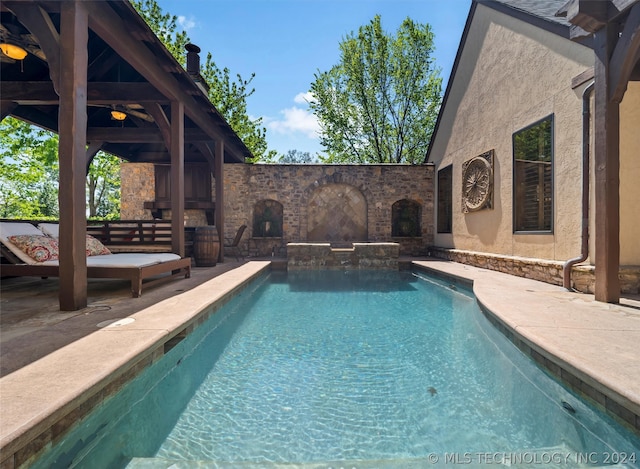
477,183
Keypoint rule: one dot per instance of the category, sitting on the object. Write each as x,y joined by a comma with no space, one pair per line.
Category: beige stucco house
508,149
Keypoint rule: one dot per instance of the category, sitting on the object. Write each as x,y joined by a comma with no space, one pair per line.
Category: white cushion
130,259
8,228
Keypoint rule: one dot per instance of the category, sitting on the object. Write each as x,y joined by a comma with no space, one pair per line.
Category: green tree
103,186
29,175
379,104
229,95
28,171
230,99
297,156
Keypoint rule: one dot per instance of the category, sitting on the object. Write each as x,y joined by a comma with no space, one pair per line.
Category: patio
32,325
65,361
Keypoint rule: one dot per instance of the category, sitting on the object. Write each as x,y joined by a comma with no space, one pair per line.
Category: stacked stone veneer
582,276
137,186
311,196
361,256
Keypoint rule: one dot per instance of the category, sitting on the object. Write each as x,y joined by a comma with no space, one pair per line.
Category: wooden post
607,170
72,123
177,178
219,213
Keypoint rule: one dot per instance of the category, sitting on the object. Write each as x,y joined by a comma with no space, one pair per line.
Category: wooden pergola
615,26
86,59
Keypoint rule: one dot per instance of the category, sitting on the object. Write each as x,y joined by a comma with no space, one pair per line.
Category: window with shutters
445,199
533,177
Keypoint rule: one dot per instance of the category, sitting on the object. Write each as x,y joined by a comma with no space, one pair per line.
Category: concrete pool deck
57,366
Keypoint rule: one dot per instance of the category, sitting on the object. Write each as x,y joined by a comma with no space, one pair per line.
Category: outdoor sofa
32,252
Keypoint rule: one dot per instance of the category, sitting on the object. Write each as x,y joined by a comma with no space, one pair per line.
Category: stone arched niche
337,213
405,218
267,219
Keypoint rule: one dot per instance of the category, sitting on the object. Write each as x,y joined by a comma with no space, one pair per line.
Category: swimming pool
377,369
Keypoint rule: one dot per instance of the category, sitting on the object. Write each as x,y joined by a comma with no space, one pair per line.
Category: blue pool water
377,369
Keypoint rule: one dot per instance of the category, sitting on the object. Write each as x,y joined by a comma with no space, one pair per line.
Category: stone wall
137,186
340,204
582,276
353,200
362,256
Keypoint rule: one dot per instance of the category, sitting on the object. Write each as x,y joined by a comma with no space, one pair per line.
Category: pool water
377,369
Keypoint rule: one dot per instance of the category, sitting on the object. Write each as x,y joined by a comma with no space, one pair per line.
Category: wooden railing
138,235
131,235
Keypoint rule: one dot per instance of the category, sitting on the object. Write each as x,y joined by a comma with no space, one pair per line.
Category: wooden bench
134,267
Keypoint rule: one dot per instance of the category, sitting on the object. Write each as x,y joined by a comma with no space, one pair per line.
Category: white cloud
296,119
304,98
186,23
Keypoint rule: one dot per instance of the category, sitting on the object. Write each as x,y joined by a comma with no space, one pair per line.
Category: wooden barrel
206,246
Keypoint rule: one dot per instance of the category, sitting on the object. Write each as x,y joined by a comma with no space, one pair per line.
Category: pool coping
36,416
40,403
565,333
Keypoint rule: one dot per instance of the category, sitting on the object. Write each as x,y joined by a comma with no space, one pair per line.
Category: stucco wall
512,74
630,176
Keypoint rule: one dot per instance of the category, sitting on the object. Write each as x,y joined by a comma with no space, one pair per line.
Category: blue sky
285,42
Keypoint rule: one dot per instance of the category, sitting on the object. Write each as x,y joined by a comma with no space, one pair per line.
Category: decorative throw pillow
40,248
95,247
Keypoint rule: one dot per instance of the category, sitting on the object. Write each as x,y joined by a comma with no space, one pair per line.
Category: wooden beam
6,107
108,25
177,178
140,135
102,63
36,117
219,176
72,155
208,153
607,171
588,15
161,120
92,150
625,56
39,23
42,92
582,78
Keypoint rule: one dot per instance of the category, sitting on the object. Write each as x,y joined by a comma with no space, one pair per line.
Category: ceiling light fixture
118,115
12,51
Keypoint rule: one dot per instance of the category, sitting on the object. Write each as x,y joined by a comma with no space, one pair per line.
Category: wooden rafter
40,25
42,92
625,56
